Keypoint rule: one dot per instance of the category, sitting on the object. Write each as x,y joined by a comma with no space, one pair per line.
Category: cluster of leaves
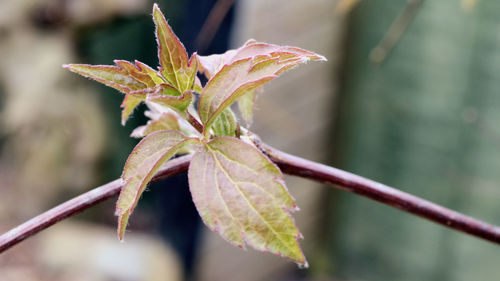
237,190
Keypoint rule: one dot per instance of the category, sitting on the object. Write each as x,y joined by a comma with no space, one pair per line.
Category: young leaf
165,121
197,87
237,79
125,77
258,51
252,49
129,104
225,125
140,72
163,89
246,106
179,103
173,57
166,95
210,65
240,194
141,165
109,75
165,117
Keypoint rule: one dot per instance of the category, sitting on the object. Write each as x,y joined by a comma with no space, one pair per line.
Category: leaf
129,104
257,52
253,48
109,75
241,195
173,57
141,165
166,95
225,125
197,87
179,103
210,65
141,72
125,77
161,89
246,106
237,79
165,121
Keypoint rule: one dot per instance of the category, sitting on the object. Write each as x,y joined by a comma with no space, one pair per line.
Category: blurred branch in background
212,24
396,30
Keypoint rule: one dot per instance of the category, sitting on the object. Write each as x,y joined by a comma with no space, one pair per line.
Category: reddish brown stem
297,166
82,202
194,122
289,164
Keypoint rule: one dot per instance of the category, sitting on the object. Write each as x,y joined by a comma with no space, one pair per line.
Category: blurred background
410,96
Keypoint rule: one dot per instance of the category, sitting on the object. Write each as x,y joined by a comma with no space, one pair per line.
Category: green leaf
179,103
129,104
241,195
173,57
246,105
165,121
166,95
109,75
197,87
125,77
225,125
146,158
141,72
161,89
237,79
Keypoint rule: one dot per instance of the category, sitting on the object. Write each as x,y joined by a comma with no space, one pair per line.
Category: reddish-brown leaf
146,158
109,75
175,66
240,72
237,79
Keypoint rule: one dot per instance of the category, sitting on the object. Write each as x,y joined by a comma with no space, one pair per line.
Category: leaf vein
248,201
224,203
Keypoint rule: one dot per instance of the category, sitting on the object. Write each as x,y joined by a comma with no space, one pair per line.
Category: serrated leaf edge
287,210
123,214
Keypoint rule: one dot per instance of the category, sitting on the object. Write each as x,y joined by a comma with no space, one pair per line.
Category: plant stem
289,164
82,202
194,122
300,167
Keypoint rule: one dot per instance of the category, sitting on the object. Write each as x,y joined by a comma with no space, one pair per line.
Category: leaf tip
157,12
321,58
122,222
155,7
72,67
303,265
